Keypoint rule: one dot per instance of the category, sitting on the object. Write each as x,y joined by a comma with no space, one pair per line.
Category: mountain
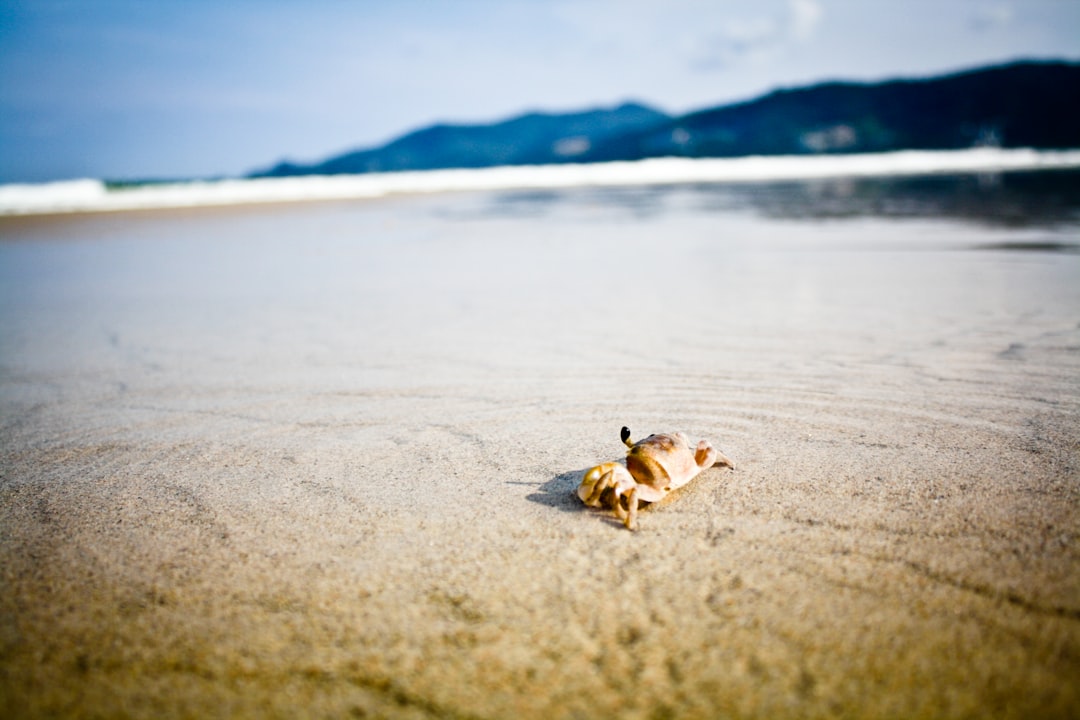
1019,105
1024,104
531,139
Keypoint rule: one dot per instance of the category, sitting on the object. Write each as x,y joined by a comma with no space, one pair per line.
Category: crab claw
598,479
705,456
590,488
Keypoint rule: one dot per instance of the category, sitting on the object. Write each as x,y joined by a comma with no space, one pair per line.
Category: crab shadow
560,492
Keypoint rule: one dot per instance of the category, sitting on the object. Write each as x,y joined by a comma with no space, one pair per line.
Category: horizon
123,92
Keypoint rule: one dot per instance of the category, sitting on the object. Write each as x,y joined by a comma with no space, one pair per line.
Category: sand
319,461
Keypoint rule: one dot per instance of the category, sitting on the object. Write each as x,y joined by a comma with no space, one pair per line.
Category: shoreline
88,196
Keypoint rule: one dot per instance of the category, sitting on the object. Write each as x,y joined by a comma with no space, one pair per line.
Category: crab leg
723,460
628,516
631,516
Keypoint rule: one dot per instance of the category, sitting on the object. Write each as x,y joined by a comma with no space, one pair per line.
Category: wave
90,195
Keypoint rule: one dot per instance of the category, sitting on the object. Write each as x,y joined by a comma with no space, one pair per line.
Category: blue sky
140,89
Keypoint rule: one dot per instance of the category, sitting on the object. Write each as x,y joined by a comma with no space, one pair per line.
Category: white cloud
992,16
804,16
760,38
743,37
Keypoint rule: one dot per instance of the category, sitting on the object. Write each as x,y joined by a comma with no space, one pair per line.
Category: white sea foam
95,196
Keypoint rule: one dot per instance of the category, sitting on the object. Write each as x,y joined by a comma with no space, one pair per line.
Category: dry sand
319,462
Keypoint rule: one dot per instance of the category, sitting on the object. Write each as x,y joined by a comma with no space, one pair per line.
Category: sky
134,89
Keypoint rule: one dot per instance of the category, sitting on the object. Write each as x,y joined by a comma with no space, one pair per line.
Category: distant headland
1023,104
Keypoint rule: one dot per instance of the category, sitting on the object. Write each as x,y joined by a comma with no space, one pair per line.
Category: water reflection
1029,199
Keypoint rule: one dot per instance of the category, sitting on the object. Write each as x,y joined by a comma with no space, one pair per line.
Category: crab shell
665,462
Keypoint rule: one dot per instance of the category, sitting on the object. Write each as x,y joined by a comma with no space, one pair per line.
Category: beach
319,460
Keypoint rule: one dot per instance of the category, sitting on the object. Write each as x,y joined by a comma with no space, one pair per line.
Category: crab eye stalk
625,435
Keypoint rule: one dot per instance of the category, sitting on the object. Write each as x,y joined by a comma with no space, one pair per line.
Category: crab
654,467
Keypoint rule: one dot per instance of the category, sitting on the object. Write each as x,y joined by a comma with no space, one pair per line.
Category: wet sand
318,461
